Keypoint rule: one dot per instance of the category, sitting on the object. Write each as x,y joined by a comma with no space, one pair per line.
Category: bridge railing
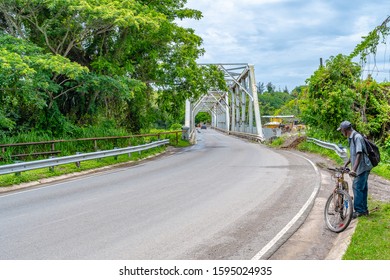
253,137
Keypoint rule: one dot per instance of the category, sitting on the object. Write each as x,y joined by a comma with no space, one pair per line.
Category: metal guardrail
340,151
95,140
51,162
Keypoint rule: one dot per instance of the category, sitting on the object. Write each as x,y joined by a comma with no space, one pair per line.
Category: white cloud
284,39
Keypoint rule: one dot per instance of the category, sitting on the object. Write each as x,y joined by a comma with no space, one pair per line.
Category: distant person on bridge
360,168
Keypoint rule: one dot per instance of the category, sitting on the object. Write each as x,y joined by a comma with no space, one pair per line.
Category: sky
285,39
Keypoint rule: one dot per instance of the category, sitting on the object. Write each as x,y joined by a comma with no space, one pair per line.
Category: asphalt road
223,198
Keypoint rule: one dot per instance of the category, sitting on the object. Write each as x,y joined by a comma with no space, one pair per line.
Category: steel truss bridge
235,111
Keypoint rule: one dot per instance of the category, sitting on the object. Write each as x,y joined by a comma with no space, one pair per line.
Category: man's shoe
359,214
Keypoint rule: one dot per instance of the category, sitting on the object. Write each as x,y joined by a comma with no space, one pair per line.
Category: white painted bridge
236,110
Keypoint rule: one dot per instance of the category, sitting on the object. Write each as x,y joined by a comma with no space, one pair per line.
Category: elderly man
361,167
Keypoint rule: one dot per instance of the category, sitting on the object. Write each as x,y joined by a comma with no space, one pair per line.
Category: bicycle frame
339,206
341,184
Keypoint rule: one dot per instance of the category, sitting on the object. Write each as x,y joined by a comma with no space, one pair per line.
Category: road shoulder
313,240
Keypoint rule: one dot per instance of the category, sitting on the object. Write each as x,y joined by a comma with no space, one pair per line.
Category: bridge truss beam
236,110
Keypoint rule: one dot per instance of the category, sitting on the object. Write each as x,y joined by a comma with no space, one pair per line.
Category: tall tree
131,48
330,93
26,84
270,87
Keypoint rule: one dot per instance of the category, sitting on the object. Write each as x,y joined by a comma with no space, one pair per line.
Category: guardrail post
116,157
18,173
77,162
51,168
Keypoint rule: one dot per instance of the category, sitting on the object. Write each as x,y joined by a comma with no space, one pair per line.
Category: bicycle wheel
338,211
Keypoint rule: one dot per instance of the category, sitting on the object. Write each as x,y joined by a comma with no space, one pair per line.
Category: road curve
223,198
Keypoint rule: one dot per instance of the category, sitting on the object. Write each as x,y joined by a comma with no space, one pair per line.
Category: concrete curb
342,242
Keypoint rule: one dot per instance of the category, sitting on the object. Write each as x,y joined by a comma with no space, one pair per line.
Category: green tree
370,42
372,108
26,83
203,117
270,102
270,87
132,49
260,88
331,94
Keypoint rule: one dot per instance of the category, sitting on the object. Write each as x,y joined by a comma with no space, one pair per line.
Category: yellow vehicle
275,122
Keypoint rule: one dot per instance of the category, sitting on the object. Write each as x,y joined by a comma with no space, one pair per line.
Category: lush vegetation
272,100
72,64
84,68
370,240
71,168
202,118
336,92
72,146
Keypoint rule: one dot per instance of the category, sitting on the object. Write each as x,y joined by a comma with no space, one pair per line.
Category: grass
71,146
371,239
313,148
383,170
277,142
38,174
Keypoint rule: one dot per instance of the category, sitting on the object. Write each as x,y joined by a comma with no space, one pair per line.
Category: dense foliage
270,102
77,63
336,92
330,94
67,64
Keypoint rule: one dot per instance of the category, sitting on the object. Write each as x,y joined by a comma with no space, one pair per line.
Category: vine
370,43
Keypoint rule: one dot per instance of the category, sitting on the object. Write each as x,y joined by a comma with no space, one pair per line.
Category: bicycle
339,206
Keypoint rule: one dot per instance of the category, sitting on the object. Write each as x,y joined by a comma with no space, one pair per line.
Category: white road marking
270,244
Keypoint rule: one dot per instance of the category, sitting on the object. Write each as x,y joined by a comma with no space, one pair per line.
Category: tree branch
66,91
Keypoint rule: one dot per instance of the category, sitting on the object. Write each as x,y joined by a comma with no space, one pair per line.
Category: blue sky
285,39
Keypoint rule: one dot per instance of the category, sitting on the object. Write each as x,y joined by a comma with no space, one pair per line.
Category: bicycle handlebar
340,169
